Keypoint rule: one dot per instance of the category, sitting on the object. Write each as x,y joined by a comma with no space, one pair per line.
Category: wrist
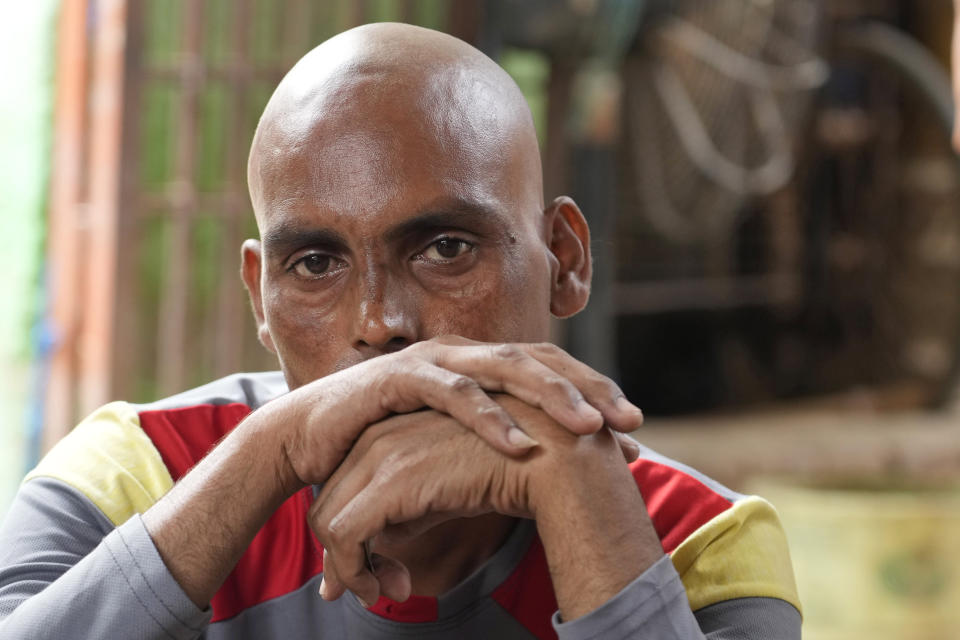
594,525
272,430
573,472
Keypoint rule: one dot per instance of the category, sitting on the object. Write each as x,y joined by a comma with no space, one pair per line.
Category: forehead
375,149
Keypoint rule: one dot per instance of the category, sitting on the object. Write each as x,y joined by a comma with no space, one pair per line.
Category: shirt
77,562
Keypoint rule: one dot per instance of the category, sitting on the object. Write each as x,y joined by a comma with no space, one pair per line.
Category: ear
250,270
568,238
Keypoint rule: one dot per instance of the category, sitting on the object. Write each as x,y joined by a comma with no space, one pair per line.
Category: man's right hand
452,375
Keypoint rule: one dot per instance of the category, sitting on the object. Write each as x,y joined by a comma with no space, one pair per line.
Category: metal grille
190,78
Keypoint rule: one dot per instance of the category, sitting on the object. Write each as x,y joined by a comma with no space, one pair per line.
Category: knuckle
605,384
366,441
558,385
372,446
490,412
419,349
321,527
547,349
462,384
390,466
314,512
446,340
509,352
337,536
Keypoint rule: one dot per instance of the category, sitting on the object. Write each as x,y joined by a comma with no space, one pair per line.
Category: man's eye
447,249
312,265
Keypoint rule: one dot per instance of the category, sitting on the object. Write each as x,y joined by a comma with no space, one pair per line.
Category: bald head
396,180
355,104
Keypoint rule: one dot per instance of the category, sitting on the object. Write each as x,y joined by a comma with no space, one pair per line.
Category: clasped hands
446,428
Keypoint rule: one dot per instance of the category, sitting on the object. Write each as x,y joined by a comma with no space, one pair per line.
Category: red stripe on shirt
527,595
283,555
678,503
413,609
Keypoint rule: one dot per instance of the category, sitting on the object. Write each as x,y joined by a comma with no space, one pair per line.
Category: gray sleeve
655,605
66,572
749,618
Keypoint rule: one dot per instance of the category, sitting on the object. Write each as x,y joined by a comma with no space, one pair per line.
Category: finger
509,368
352,573
346,556
598,390
453,339
462,398
402,385
331,587
395,582
343,543
628,446
406,531
364,517
393,576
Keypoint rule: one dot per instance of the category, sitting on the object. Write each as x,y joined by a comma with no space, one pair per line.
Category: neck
445,555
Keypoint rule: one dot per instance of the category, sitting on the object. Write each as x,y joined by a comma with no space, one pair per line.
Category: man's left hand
413,471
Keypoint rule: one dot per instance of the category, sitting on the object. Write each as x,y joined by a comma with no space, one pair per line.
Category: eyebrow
455,213
447,213
285,238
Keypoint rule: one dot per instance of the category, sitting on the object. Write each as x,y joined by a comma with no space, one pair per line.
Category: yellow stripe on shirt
109,459
740,553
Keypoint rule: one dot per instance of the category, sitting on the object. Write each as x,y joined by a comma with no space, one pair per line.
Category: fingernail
587,411
625,406
363,603
519,439
323,588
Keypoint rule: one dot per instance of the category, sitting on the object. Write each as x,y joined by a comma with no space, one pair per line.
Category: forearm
595,529
204,524
66,572
115,591
611,576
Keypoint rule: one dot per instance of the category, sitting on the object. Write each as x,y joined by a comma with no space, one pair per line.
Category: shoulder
724,545
184,427
123,457
250,389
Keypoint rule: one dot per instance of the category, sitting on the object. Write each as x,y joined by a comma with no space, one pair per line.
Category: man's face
387,225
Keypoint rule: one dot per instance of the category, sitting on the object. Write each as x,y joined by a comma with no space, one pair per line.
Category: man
407,267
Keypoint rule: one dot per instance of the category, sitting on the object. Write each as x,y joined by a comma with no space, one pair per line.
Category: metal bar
408,11
171,356
228,336
105,164
65,219
294,31
464,20
358,12
128,362
557,145
709,294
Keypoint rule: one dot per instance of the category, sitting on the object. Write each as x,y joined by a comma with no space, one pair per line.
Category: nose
386,316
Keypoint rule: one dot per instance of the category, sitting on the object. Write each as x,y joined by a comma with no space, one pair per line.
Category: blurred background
774,201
